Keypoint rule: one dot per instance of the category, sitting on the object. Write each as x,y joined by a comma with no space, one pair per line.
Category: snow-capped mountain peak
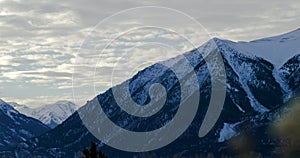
50,114
54,114
277,50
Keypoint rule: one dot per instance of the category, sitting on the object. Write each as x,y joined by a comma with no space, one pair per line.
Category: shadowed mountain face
256,89
291,72
16,127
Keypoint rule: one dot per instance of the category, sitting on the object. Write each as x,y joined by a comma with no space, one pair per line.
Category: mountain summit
277,50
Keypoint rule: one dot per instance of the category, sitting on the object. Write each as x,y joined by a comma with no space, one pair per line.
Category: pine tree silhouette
86,152
93,152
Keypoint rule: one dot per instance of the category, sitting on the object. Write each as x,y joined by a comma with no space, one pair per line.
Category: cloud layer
44,45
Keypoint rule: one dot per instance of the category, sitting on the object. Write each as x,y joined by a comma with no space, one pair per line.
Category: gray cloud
40,40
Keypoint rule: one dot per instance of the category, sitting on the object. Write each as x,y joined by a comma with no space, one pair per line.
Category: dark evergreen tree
93,152
101,154
86,152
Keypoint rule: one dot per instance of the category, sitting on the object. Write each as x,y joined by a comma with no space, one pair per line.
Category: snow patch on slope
284,86
227,132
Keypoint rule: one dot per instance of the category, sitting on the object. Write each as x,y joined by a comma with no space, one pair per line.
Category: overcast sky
44,43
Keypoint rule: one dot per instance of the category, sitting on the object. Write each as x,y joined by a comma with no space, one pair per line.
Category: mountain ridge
253,92
264,47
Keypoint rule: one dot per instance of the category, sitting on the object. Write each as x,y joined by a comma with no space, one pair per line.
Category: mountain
258,84
16,127
50,114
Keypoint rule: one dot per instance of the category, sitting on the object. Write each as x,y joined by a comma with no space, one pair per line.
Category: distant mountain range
261,76
50,114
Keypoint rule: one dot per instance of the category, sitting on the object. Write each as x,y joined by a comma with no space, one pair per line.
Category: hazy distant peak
49,114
